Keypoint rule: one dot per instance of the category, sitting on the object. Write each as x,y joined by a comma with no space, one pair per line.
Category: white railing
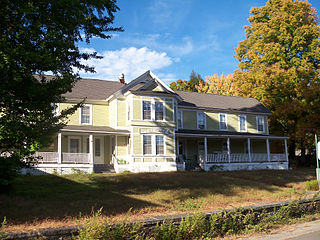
278,157
239,157
47,157
217,158
78,158
259,157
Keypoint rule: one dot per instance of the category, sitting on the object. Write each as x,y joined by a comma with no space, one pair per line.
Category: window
55,109
201,120
147,146
85,113
158,111
242,123
146,110
260,123
180,119
74,145
223,122
159,145
97,147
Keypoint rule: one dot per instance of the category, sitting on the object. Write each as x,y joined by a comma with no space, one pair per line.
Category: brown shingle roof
221,102
93,89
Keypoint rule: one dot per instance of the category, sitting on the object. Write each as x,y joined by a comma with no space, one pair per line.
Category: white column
268,149
249,149
286,149
91,148
59,149
228,147
205,150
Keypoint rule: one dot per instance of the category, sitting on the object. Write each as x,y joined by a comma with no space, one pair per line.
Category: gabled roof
221,102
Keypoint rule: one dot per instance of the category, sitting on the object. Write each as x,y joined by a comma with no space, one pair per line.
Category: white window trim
80,113
153,145
257,117
245,123
226,117
205,120
153,109
180,111
80,143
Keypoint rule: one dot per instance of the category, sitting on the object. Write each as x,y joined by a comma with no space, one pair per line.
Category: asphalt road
303,231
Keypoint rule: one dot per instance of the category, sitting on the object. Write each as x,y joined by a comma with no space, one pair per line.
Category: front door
98,150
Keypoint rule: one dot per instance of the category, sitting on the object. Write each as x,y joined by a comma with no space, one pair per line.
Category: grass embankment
52,201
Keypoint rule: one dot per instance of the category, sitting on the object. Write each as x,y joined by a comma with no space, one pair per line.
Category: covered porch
232,151
82,148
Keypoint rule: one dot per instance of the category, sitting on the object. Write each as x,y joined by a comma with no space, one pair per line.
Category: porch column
91,149
268,149
228,147
286,149
249,149
59,149
205,150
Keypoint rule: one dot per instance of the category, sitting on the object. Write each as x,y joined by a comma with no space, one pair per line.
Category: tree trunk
292,151
303,153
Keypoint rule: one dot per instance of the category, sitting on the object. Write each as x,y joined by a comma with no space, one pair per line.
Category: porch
233,152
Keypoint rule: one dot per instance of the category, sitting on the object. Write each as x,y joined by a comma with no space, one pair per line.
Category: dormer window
201,120
223,125
260,123
146,110
158,111
242,123
85,114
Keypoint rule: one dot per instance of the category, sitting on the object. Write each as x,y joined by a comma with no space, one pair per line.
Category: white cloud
130,61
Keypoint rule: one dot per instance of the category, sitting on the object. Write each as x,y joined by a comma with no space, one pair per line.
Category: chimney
121,78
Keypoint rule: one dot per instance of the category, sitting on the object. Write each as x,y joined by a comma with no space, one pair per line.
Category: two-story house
144,126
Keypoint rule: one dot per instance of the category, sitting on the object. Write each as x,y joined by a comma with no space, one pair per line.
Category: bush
312,185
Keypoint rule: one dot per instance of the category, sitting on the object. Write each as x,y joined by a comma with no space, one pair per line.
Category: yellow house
144,126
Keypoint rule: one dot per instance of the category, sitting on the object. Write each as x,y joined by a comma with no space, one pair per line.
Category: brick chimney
121,78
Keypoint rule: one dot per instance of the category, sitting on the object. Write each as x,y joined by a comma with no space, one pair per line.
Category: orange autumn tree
222,85
279,64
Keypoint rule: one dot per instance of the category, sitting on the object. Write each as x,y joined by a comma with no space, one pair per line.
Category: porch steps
103,168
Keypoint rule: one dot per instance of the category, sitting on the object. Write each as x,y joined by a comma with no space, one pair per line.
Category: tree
222,85
39,37
184,85
279,65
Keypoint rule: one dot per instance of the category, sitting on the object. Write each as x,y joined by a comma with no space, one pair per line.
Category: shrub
312,185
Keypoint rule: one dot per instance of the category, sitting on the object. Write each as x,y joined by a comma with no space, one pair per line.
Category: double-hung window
85,113
146,110
147,144
260,123
158,111
179,118
159,145
201,120
242,123
223,125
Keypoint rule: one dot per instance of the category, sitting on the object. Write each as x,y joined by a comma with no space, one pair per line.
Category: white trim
262,117
93,131
180,111
249,149
59,148
245,123
116,114
228,135
161,83
90,117
226,118
205,119
267,124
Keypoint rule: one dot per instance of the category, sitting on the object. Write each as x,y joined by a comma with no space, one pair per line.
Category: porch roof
207,133
94,129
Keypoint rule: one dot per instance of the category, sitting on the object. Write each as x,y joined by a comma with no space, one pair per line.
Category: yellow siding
137,109
122,142
233,123
169,111
74,118
107,152
137,159
122,114
169,146
212,121
112,113
189,119
147,159
160,160
137,144
100,115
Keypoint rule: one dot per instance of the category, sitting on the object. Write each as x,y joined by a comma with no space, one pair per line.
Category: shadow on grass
58,197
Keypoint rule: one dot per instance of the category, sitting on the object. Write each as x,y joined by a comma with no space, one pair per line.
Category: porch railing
243,157
78,158
47,157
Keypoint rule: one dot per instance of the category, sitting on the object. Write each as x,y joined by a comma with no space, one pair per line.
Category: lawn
52,200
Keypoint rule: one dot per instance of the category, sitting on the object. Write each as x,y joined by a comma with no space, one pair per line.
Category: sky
173,37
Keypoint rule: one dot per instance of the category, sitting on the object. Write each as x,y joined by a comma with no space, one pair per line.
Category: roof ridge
81,78
220,95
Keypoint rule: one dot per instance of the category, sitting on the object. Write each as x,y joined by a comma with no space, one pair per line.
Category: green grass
36,199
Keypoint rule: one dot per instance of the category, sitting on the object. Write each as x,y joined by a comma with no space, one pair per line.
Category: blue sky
173,37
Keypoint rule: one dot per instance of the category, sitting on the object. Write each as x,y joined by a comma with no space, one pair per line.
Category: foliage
38,37
198,226
279,65
184,85
222,85
2,228
312,185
